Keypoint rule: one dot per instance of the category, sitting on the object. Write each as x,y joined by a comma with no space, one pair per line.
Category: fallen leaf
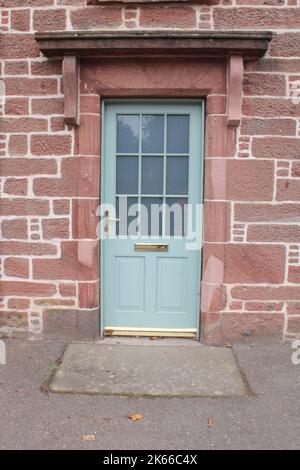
88,437
135,417
210,423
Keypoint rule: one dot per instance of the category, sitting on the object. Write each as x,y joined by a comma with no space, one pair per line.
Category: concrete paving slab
154,371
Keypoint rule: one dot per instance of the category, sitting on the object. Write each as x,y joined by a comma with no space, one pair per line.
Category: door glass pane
151,216
177,175
127,212
176,216
177,133
152,133
127,175
152,175
128,129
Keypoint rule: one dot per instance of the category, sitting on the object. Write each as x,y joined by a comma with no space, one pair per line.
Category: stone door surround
162,64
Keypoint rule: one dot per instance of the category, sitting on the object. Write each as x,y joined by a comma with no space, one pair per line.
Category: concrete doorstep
172,370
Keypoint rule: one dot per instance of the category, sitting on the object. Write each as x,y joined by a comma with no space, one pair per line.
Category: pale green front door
152,159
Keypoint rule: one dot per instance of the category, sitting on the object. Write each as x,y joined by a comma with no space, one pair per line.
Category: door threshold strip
157,332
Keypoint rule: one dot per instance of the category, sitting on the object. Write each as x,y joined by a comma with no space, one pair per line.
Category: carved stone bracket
71,89
235,46
235,77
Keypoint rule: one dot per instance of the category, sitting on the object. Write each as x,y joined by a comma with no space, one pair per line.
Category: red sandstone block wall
41,160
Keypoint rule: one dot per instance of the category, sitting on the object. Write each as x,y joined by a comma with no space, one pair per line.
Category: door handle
108,219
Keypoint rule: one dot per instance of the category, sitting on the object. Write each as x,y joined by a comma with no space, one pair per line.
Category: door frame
151,100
